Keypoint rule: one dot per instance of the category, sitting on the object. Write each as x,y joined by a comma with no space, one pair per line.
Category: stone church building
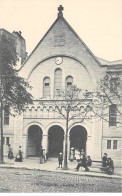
59,60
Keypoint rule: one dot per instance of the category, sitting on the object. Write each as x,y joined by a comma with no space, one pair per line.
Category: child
60,159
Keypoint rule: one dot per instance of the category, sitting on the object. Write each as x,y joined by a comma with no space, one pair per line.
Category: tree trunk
65,167
1,115
1,142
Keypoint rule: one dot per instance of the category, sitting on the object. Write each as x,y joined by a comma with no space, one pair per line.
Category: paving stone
27,181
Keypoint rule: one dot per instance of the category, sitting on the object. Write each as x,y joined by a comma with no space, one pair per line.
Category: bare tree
69,106
107,99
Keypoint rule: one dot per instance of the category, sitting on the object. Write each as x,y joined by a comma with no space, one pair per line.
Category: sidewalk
33,163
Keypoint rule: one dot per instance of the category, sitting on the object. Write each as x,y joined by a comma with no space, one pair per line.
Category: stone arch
89,131
55,140
25,130
78,137
34,140
52,124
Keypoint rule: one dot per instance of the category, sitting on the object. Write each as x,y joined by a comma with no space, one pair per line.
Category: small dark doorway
34,140
78,137
56,137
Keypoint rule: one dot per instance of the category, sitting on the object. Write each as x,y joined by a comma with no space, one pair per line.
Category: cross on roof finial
60,9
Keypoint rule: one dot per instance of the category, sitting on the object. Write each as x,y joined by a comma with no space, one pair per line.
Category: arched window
112,115
69,82
57,81
46,87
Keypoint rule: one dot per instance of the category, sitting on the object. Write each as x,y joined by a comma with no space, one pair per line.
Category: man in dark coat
83,163
60,159
104,160
110,166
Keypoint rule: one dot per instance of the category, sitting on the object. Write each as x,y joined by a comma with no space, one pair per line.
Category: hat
60,153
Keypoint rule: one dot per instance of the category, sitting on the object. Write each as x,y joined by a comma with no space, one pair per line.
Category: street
27,181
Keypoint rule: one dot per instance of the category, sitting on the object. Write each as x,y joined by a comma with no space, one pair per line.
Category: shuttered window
57,81
112,115
46,87
69,82
115,144
108,144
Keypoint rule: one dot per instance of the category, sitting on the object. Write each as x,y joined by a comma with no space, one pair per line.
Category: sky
97,22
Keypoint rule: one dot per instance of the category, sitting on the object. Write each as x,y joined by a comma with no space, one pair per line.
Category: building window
112,115
113,84
115,144
6,117
57,81
7,141
46,87
108,144
69,82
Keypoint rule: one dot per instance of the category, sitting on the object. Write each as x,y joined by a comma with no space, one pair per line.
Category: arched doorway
34,140
78,138
56,137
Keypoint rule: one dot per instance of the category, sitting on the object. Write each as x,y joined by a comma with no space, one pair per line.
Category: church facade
60,59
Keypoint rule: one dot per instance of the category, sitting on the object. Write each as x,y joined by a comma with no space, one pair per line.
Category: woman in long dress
72,154
19,155
10,153
77,155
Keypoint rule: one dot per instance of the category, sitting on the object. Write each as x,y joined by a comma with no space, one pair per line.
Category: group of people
80,156
83,160
76,154
107,164
18,156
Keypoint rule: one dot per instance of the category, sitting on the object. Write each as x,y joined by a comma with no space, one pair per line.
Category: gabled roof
62,18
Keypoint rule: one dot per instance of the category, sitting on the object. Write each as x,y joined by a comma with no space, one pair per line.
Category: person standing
44,155
71,154
77,155
60,159
41,155
104,160
10,153
19,155
82,153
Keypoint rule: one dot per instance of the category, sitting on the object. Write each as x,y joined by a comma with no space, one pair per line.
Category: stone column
63,146
68,147
45,142
89,146
25,145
